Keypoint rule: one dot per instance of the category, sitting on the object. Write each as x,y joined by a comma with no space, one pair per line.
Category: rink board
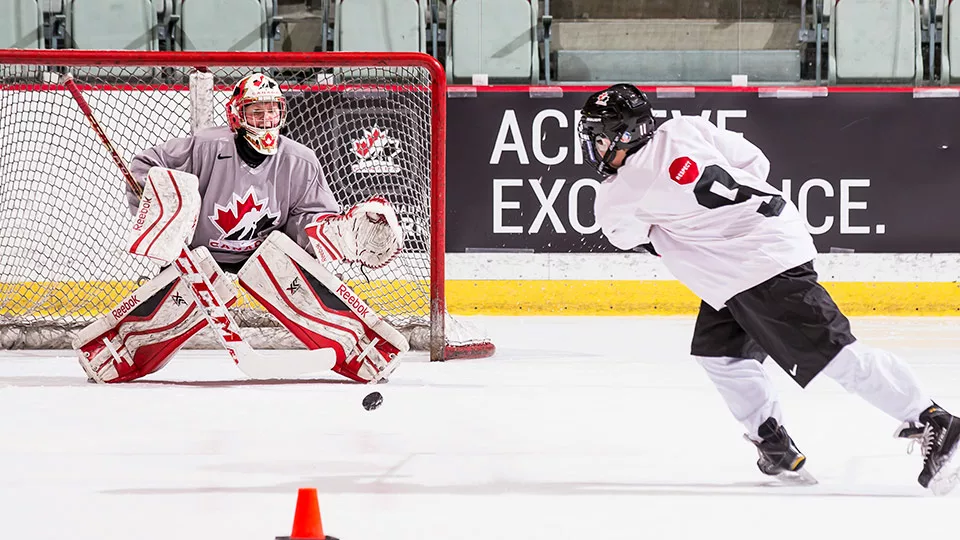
625,284
544,297
668,297
89,299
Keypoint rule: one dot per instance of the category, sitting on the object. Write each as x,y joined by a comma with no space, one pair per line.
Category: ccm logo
125,307
142,216
353,301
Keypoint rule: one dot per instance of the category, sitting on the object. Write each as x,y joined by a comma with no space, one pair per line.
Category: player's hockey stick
255,364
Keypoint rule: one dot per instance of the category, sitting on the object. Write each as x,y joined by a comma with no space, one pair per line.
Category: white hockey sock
745,388
879,377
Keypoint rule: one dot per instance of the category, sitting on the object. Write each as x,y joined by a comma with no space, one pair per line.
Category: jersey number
716,188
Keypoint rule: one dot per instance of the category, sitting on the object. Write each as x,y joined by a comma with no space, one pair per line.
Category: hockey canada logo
603,99
242,222
376,151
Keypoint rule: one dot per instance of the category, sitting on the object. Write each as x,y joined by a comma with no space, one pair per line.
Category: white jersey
699,194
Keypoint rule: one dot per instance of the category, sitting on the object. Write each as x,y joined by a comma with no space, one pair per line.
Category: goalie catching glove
320,310
368,233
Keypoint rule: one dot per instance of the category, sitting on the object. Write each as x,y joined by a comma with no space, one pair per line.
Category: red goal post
377,122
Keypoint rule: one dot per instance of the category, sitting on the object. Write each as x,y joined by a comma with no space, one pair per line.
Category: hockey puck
372,401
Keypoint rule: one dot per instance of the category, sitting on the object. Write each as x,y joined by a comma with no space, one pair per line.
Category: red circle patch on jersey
684,170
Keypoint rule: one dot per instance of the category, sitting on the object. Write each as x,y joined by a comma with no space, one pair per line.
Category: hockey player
253,202
698,196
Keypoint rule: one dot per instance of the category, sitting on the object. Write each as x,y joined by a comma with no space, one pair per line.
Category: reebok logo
223,157
352,301
142,215
125,307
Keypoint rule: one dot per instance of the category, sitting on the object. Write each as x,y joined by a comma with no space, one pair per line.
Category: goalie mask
257,107
618,118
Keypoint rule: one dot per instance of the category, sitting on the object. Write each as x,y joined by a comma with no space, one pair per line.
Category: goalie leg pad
141,334
320,310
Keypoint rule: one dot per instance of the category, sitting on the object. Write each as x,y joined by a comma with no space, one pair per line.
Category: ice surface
585,428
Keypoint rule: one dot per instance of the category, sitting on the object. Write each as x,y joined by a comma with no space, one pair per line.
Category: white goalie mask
263,133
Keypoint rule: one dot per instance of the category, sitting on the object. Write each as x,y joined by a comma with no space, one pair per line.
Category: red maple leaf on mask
230,217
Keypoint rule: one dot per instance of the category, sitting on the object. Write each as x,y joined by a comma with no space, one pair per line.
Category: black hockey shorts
789,317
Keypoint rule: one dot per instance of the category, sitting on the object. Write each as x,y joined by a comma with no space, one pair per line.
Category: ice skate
779,455
937,434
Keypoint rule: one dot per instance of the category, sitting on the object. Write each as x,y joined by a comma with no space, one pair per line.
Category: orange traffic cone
306,519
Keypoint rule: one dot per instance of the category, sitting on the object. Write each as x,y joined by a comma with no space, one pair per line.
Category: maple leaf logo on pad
242,221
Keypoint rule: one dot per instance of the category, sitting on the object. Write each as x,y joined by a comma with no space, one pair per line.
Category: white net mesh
63,216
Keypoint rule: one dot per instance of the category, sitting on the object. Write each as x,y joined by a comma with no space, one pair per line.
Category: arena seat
874,41
222,25
493,37
112,24
20,25
380,25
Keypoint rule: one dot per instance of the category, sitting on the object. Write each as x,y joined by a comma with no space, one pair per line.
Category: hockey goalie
254,203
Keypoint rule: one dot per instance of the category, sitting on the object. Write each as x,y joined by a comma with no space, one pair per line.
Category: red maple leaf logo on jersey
244,218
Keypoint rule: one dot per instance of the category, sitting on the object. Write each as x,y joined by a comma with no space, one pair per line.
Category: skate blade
945,483
797,478
948,477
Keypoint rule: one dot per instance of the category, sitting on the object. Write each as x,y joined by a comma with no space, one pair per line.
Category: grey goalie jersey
242,205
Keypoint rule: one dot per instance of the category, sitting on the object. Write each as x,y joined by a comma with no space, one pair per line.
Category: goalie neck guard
256,88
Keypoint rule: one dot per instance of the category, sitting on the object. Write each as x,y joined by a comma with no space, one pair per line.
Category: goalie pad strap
320,310
141,334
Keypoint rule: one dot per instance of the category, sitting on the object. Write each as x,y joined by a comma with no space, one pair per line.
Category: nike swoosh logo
794,370
223,157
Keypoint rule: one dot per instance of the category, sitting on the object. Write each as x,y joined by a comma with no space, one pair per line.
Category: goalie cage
377,122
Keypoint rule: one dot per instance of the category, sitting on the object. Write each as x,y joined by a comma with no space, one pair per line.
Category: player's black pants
790,316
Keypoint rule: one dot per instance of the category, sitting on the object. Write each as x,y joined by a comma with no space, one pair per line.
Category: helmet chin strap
611,154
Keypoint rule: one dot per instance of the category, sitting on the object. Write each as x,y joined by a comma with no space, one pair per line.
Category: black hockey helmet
622,116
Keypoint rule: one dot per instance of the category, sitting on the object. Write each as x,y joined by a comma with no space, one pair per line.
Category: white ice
579,428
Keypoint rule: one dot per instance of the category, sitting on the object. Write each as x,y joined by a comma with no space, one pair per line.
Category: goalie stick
254,364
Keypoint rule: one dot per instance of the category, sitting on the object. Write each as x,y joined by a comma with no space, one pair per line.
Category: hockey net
376,122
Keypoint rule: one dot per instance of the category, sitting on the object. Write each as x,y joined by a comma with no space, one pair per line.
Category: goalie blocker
320,310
